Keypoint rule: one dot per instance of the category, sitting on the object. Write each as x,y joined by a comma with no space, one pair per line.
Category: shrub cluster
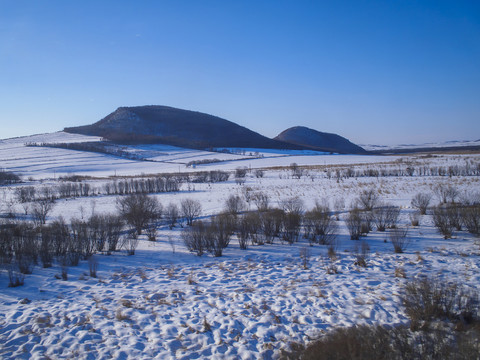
454,217
24,246
426,301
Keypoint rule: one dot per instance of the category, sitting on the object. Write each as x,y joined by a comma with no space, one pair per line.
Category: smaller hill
303,136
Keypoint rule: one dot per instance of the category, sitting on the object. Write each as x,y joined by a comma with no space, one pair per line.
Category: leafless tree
40,210
114,226
471,218
291,227
399,239
191,209
293,205
25,194
139,210
240,175
368,199
421,201
261,201
318,225
218,233
195,239
131,241
234,205
297,172
259,173
171,214
386,216
441,221
354,223
445,193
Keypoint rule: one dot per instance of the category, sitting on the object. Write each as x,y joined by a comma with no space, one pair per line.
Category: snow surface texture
166,303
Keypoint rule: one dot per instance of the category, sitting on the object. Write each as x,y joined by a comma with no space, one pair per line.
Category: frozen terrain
166,303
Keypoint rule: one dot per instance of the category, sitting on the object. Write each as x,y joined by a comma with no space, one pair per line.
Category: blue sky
383,72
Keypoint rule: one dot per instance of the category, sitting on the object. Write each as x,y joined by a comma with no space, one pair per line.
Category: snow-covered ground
48,163
454,143
164,302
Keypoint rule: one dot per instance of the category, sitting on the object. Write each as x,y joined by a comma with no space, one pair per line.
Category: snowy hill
167,125
303,136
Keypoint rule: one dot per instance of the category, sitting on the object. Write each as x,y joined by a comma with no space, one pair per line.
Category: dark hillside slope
313,139
171,126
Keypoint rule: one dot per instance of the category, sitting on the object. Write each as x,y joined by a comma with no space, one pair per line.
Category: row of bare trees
260,227
469,168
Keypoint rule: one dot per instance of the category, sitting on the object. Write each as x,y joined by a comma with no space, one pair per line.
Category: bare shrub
131,241
297,171
354,222
292,222
271,223
171,214
454,216
259,173
61,237
421,201
358,342
293,205
333,248
240,175
46,247
25,247
241,172
415,218
82,239
98,231
261,201
64,274
114,225
194,238
234,205
139,209
190,209
218,234
369,342
368,199
398,238
385,216
361,253
93,266
445,193
442,221
15,277
253,224
318,225
41,208
471,218
305,254
429,299
243,233
151,232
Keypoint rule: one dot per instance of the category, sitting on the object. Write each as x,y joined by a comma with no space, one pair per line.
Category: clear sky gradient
378,72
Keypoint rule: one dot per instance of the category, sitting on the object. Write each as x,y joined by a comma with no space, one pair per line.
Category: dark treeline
8,177
102,147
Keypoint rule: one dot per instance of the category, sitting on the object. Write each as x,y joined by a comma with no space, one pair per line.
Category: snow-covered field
48,163
166,303
424,145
